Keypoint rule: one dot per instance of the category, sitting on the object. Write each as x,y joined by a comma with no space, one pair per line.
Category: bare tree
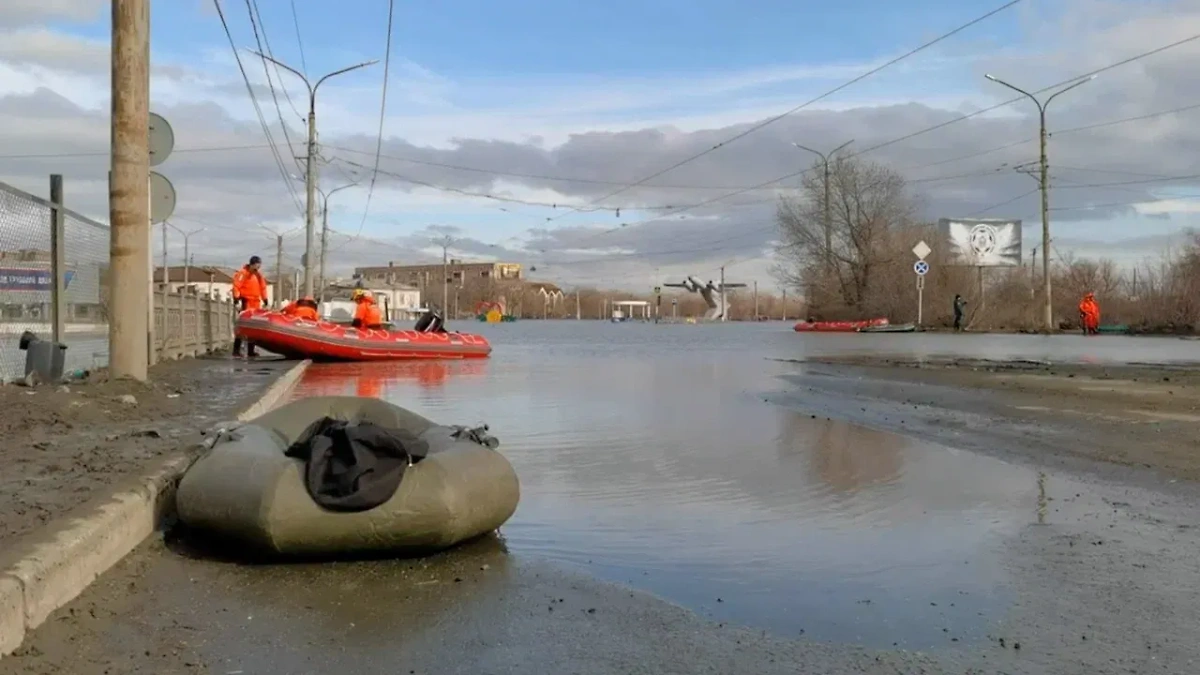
869,206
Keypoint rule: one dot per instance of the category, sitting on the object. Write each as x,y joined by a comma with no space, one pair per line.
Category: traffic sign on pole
921,250
921,268
920,299
162,139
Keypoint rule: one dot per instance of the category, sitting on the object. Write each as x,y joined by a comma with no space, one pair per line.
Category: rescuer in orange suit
304,308
367,313
249,292
1089,314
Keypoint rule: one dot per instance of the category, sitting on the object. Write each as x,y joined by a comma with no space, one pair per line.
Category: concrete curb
84,544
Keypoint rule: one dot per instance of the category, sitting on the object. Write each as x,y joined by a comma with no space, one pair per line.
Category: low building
545,289
429,276
399,302
210,282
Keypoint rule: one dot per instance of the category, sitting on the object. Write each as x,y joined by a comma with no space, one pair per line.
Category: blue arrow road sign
921,268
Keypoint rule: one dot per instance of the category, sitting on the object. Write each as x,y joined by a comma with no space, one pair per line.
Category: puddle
666,469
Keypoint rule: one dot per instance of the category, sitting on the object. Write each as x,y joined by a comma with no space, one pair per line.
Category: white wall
220,290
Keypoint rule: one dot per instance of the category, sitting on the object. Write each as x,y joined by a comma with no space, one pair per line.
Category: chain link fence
26,282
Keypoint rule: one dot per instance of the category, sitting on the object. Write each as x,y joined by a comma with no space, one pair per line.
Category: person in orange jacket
1089,314
249,292
367,313
304,308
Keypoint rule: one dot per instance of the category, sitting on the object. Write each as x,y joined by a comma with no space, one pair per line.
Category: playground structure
493,312
713,294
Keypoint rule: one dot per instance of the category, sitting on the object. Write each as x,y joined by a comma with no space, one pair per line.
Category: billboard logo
982,243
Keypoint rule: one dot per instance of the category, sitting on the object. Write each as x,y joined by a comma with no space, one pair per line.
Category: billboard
29,279
981,243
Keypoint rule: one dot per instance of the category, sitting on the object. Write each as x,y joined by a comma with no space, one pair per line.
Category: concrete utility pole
310,175
325,231
278,271
1044,183
129,191
724,306
756,301
445,243
828,206
166,279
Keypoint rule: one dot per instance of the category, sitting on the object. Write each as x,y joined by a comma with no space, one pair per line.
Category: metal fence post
58,285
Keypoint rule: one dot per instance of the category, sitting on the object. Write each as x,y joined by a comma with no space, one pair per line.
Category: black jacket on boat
355,466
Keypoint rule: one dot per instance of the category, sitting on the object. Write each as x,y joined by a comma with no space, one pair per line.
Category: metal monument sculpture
713,294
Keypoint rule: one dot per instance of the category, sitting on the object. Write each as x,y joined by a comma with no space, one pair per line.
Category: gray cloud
24,12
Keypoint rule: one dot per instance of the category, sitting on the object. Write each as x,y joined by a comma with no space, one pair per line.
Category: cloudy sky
521,128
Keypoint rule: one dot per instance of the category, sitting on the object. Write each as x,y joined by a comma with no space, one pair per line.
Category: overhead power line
258,110
387,62
926,130
252,10
772,120
299,40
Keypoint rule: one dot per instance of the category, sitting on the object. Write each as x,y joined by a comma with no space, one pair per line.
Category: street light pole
186,255
310,161
445,243
1044,184
828,215
325,231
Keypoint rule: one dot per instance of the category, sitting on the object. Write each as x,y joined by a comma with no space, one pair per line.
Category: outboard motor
430,322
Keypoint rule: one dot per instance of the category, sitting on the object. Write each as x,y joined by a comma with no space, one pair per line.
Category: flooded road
650,456
757,516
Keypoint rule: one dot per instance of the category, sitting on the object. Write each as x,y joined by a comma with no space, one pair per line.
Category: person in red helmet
366,312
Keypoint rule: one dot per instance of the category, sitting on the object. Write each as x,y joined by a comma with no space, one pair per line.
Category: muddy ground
1130,421
63,444
1113,590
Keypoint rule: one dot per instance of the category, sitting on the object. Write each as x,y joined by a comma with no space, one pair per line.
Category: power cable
940,125
299,40
258,110
772,120
251,10
387,61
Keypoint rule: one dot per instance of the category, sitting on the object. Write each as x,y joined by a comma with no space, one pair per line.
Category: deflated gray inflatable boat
246,489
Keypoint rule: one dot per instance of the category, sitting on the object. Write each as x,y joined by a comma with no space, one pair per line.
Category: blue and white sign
921,268
28,279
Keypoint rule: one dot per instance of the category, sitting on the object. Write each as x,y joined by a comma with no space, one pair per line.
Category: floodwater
649,455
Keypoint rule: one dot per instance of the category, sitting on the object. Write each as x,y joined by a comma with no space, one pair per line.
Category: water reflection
373,379
845,457
659,464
